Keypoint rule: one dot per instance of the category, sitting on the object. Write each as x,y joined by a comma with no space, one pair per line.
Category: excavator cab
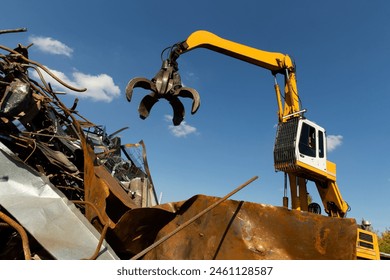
300,147
300,152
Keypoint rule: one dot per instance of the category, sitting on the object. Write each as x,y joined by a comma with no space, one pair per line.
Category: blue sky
342,52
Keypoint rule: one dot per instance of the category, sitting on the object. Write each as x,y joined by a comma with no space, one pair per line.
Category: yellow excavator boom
277,63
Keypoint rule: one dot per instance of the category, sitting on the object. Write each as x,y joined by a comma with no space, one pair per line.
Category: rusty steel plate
245,230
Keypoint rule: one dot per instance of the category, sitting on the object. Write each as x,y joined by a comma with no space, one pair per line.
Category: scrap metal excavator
70,190
300,146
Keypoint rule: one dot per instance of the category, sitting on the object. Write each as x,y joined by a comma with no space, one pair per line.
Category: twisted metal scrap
166,84
19,54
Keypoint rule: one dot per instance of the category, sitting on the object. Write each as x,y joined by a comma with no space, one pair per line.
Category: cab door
310,149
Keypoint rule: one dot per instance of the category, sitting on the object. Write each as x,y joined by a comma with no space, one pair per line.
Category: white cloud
181,130
99,87
50,45
333,141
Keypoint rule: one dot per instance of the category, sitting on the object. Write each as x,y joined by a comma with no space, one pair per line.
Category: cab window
307,141
321,152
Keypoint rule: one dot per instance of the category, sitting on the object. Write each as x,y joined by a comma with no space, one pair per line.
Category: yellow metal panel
331,170
367,245
320,174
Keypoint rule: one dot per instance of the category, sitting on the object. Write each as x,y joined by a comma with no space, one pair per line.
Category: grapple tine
138,82
178,110
193,94
146,105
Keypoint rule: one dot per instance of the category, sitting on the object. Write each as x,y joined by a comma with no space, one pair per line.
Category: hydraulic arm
277,63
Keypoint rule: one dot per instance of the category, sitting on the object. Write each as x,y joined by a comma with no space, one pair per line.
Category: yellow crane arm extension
270,60
277,63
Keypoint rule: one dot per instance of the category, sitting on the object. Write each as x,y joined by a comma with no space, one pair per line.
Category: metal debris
46,213
64,180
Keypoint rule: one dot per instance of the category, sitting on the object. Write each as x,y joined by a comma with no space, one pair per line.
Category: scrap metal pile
69,190
60,173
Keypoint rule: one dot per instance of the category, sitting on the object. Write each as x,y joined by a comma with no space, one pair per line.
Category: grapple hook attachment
165,84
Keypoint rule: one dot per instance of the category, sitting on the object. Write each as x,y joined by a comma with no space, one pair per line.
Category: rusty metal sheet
137,229
98,185
245,230
46,213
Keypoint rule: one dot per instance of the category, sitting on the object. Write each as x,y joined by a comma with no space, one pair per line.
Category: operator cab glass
307,140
